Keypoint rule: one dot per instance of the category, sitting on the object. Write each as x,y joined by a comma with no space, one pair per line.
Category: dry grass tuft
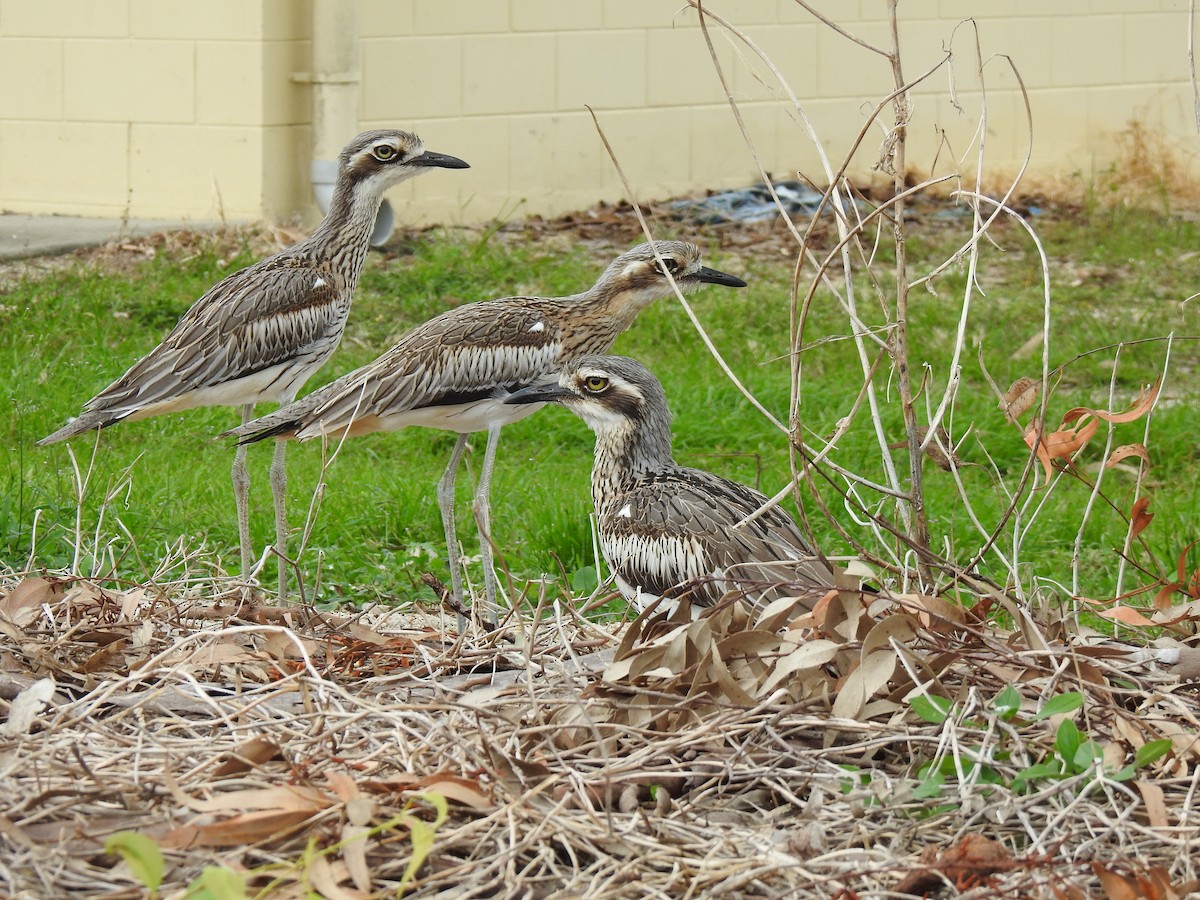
727,757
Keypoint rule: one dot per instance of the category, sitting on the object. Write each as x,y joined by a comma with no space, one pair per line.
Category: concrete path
22,235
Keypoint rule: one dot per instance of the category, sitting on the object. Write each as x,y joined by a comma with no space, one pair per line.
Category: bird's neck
621,305
628,454
607,313
344,235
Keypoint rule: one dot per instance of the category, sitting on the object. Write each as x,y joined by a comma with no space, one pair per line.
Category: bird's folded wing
253,320
457,357
686,527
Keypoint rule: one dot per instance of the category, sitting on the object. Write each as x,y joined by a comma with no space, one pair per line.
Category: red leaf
1193,581
1139,517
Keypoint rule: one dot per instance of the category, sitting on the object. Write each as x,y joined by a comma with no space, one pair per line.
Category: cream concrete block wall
153,108
190,108
515,88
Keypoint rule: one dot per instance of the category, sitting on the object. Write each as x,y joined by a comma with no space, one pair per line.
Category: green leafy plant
1072,752
420,833
145,860
142,855
217,883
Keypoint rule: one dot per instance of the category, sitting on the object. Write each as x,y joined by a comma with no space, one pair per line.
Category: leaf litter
742,754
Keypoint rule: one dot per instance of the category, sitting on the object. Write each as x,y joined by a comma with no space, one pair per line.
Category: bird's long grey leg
483,518
445,495
241,497
279,492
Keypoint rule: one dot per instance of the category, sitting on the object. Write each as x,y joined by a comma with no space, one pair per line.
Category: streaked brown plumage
260,333
668,531
454,371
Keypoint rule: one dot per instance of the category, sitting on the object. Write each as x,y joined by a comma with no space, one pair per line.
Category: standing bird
260,333
667,531
454,371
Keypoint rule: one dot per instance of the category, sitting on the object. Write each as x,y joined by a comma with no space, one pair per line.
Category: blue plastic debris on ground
799,200
753,204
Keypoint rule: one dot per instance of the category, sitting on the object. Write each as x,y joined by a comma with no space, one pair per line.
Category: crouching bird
261,332
667,531
454,371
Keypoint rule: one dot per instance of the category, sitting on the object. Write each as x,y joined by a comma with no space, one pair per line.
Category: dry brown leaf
1182,572
1116,886
941,451
1135,411
726,680
361,632
1155,800
677,658
1059,444
1127,615
287,797
343,785
930,609
466,791
130,601
1162,600
1068,892
1019,398
355,840
246,756
779,613
860,685
27,707
969,861
239,831
215,654
1125,451
327,876
102,658
20,605
1140,516
280,646
803,659
896,627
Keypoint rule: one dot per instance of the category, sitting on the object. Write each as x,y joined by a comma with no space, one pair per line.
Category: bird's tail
268,426
84,422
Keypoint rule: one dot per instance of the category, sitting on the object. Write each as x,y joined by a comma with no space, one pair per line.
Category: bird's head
610,393
647,271
382,159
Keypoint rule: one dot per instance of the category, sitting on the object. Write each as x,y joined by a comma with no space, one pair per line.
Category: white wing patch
537,326
668,558
625,512
319,283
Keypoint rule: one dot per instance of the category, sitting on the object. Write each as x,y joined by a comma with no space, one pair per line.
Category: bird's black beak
539,393
712,276
441,160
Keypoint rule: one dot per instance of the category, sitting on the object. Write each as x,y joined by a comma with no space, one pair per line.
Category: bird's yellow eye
384,152
595,384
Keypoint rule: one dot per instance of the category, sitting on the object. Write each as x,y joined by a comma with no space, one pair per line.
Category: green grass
1119,275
